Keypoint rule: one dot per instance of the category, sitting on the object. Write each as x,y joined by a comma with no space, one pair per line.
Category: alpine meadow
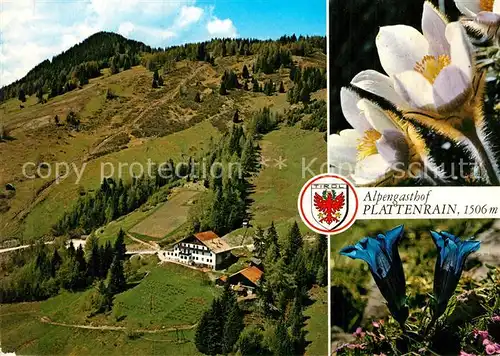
148,199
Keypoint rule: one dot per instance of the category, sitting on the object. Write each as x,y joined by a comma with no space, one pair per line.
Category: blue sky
34,30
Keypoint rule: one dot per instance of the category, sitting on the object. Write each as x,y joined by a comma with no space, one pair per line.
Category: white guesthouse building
204,249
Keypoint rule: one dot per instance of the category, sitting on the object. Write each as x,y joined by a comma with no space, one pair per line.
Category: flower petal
371,169
450,88
400,47
488,18
349,102
460,48
415,89
496,7
468,7
392,146
433,27
380,85
342,147
377,118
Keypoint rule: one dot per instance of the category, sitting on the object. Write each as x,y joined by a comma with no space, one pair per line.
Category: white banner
428,203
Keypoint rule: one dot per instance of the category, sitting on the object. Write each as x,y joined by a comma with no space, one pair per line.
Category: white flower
430,71
483,17
472,8
374,148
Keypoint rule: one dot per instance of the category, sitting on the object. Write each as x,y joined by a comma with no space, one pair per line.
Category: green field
166,218
170,296
317,322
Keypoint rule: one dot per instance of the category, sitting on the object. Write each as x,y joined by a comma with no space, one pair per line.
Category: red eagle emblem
328,204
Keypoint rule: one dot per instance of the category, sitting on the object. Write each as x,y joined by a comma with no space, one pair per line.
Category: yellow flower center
486,5
366,146
430,66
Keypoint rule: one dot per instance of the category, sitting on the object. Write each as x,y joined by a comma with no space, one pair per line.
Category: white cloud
221,28
35,31
126,29
189,15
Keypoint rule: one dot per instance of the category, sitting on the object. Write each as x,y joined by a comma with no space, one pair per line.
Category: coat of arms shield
330,204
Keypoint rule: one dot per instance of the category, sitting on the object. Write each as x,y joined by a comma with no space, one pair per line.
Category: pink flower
463,353
355,346
496,318
490,349
359,333
376,324
483,334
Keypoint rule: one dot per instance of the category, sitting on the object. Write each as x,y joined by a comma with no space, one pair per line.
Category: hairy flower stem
483,156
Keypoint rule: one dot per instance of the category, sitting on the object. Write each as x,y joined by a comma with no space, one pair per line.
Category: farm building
245,281
204,249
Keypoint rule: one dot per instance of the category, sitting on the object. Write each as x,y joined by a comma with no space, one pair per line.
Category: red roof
252,273
206,236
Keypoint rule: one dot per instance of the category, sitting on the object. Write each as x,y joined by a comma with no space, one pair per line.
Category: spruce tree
160,81
80,260
236,117
22,95
71,249
202,331
116,277
259,243
119,247
255,86
55,262
156,76
222,89
39,95
232,328
296,323
282,87
283,345
271,236
93,258
245,73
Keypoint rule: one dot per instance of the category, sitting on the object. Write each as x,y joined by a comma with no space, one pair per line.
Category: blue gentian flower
449,265
382,256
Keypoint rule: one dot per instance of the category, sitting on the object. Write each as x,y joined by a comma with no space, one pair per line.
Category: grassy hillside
123,119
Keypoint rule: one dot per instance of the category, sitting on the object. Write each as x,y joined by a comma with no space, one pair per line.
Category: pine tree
116,277
39,95
222,89
236,117
22,96
283,345
245,73
215,329
202,331
93,258
55,262
119,247
80,260
259,243
154,85
296,323
282,87
156,76
255,86
232,328
71,249
296,237
160,81
126,63
271,236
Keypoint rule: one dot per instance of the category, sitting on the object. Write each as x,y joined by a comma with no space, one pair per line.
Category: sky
35,30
